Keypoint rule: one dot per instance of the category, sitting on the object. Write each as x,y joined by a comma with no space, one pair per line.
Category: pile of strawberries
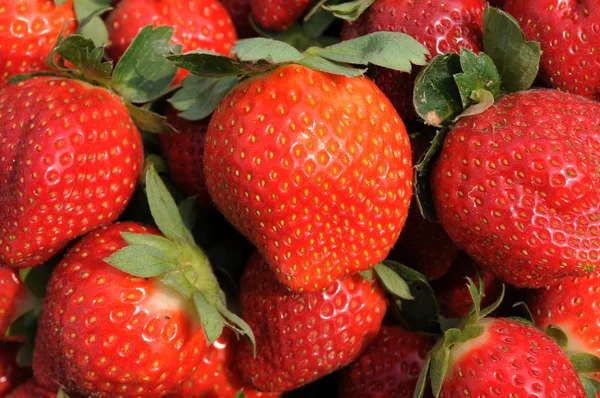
276,198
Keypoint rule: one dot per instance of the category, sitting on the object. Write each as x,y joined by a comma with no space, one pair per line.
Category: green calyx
216,74
143,74
176,261
466,330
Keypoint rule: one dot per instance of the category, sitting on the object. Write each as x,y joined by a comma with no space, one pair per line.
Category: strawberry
314,169
240,11
218,375
304,336
184,153
567,32
15,298
389,367
452,290
423,245
11,375
28,30
442,27
278,15
199,25
31,389
106,333
514,187
71,159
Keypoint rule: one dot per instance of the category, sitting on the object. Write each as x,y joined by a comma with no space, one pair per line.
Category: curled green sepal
392,282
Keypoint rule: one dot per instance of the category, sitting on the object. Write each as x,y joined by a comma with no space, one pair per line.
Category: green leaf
262,49
318,20
368,275
588,386
494,306
240,394
349,11
82,53
59,3
422,380
516,59
240,323
470,332
525,309
207,64
478,72
436,97
325,65
143,73
422,312
189,212
91,26
407,273
212,321
142,261
392,282
155,241
391,50
585,362
165,211
199,96
439,367
483,100
178,281
25,327
476,292
149,121
61,394
422,177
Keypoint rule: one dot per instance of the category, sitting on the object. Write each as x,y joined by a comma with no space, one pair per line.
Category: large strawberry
389,368
301,337
71,159
314,169
198,24
278,15
218,376
31,389
104,332
15,298
515,187
28,30
184,153
568,32
442,27
11,374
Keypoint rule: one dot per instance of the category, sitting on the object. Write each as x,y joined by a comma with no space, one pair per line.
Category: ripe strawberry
184,153
278,15
389,368
314,169
510,359
301,337
11,375
452,291
442,27
568,32
514,187
198,24
15,298
28,30
31,389
423,245
71,159
239,10
105,333
218,375
572,306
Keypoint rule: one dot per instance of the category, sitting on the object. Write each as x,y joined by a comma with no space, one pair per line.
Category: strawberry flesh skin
31,389
301,337
314,169
71,160
105,333
516,187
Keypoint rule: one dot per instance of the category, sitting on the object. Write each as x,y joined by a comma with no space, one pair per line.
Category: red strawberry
389,368
218,375
71,159
572,306
11,375
31,389
515,187
105,333
28,30
442,27
184,153
301,337
314,169
15,298
510,359
198,24
278,15
423,245
568,32
239,10
452,291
